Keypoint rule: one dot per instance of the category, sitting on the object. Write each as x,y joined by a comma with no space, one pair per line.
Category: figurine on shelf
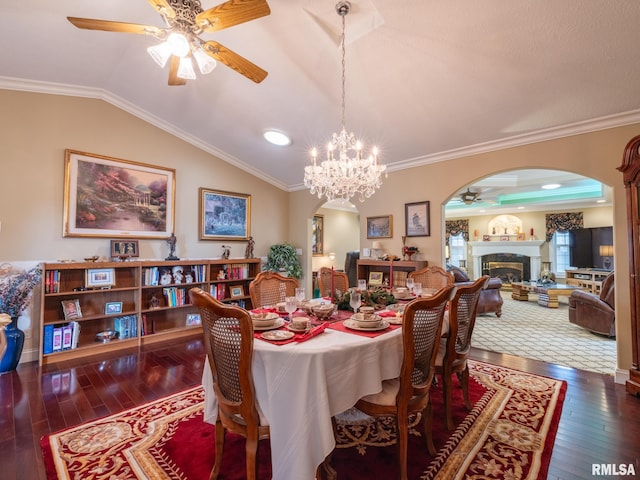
165,278
249,252
188,277
154,302
226,251
409,251
171,241
178,276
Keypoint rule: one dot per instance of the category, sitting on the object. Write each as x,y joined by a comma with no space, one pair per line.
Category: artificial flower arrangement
377,297
16,287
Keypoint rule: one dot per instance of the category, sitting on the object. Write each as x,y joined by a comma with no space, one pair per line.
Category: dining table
300,386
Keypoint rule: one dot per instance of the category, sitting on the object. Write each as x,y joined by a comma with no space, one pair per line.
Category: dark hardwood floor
600,422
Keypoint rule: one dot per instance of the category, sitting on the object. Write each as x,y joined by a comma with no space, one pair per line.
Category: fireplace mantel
530,248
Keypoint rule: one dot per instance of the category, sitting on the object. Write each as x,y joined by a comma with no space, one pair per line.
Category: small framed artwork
317,235
486,238
71,309
416,219
520,236
504,238
380,227
193,319
124,248
113,307
101,277
236,291
375,278
224,215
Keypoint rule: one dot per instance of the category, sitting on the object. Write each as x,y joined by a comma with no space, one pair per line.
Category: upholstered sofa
490,300
595,312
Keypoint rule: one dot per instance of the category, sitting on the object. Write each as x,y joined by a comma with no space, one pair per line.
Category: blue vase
15,342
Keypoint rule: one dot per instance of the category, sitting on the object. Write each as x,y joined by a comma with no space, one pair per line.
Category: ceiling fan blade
163,8
235,61
109,26
231,13
174,79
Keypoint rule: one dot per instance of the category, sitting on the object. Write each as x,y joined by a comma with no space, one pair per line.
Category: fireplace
525,254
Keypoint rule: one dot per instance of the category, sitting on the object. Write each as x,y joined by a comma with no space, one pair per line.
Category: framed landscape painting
110,197
380,227
224,215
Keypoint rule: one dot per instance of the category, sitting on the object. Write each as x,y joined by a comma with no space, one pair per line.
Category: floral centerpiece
376,297
16,288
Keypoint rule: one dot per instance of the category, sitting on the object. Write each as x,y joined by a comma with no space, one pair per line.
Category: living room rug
508,434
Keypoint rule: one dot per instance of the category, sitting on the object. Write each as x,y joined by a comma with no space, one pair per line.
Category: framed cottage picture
317,235
224,215
100,277
110,197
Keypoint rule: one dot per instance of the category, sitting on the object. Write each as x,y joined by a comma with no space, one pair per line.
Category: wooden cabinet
145,302
398,270
586,278
630,169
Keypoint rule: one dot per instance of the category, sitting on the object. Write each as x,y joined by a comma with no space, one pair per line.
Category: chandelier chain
344,69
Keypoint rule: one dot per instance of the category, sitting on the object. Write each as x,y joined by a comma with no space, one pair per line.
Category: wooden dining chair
454,348
270,288
340,281
409,393
228,339
432,277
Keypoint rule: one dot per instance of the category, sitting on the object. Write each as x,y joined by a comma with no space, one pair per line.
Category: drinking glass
300,295
355,301
290,305
417,288
362,285
410,284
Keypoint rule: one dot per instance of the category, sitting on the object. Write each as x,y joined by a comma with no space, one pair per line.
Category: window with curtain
457,249
560,253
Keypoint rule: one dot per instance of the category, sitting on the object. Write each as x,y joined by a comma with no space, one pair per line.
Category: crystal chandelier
345,172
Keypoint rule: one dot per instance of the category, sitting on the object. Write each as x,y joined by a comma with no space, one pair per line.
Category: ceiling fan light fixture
178,44
206,64
185,69
160,53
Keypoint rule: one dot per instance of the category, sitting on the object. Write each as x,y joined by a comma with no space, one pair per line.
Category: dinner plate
354,326
277,335
394,320
297,330
359,317
277,324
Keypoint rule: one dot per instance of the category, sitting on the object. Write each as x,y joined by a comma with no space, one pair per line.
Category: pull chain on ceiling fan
185,20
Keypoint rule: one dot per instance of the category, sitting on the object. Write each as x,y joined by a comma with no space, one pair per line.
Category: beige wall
35,130
341,235
595,155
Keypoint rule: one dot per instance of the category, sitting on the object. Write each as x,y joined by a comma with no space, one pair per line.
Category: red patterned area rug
509,434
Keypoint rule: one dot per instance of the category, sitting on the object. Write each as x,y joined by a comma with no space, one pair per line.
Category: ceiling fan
185,20
470,197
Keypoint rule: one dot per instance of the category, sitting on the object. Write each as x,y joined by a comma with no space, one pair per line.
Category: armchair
490,300
595,312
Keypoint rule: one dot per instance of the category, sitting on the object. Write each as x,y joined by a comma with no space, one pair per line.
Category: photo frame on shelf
71,309
113,307
193,319
236,291
100,277
504,238
375,278
417,219
135,190
317,235
125,248
486,238
380,226
224,215
520,237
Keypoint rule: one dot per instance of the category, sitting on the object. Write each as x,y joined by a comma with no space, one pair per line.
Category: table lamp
606,251
375,246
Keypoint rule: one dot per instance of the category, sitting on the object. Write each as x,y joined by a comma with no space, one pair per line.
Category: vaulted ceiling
426,80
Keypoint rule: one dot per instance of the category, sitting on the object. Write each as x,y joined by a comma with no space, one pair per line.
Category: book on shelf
237,271
126,326
52,281
175,296
58,337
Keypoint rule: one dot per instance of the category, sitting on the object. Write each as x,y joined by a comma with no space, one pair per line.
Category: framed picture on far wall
317,235
224,215
416,219
380,227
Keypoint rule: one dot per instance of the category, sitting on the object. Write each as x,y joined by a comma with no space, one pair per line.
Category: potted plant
283,258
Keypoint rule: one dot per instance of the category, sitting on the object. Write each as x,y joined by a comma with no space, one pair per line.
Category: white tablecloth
300,386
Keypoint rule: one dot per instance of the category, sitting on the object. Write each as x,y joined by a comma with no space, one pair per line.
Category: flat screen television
585,247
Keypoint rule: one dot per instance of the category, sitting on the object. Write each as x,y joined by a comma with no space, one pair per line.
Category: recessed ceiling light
551,186
276,137
602,200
